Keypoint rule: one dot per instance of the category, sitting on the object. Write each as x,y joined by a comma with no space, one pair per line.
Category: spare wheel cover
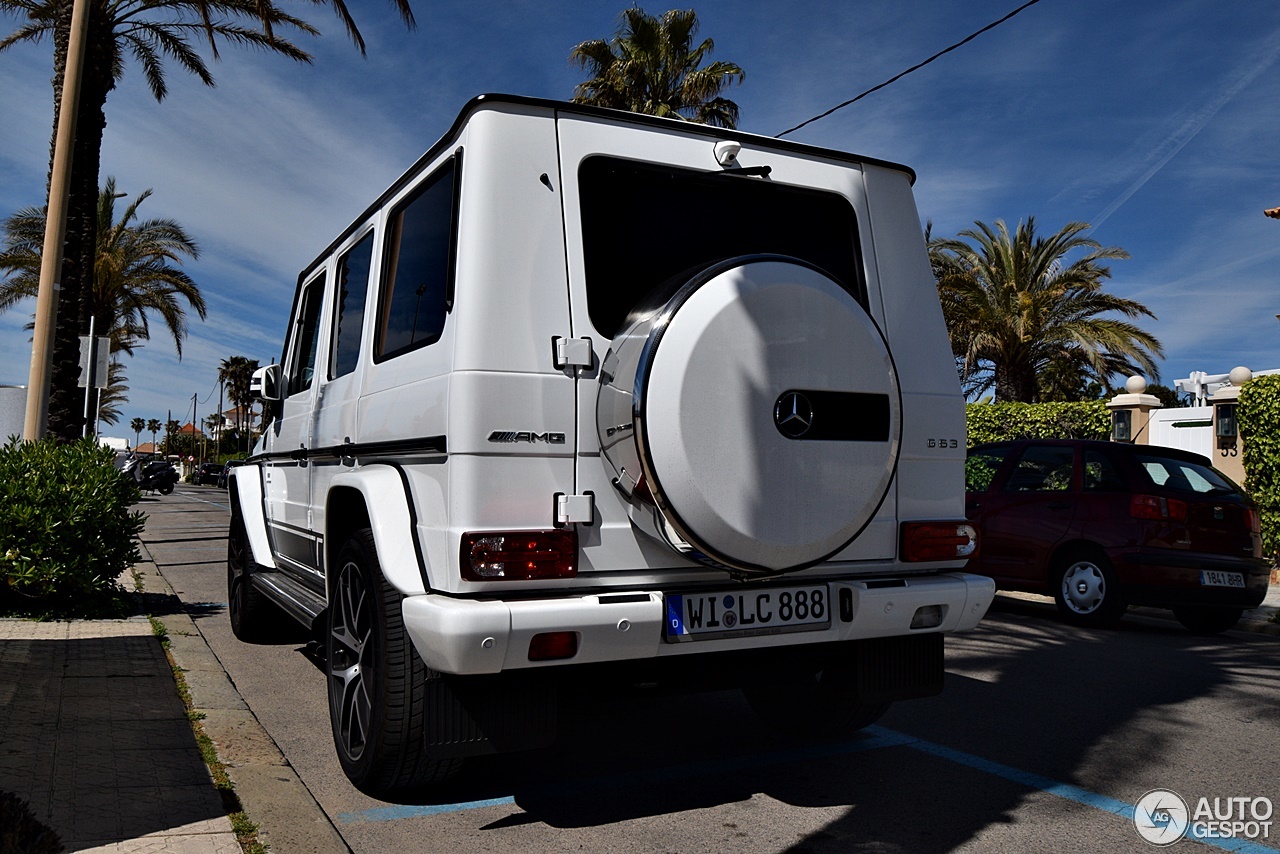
767,415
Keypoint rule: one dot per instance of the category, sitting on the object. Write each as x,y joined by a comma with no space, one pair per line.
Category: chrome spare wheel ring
351,663
1084,587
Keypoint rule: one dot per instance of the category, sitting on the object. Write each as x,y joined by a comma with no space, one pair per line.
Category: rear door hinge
580,509
572,352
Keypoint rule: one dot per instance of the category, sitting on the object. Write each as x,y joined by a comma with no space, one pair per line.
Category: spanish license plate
741,613
1217,578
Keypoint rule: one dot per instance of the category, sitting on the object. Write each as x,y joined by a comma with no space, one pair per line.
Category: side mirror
265,384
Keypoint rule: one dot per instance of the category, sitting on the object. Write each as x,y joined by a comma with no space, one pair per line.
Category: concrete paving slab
94,737
240,739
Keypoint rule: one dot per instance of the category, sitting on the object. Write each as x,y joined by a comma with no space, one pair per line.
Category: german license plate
741,613
1217,578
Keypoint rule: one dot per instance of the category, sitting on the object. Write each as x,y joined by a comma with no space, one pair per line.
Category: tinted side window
1183,475
306,335
419,268
348,314
644,225
1100,474
980,467
1042,468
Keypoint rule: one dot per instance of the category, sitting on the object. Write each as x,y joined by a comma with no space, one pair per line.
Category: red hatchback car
1101,526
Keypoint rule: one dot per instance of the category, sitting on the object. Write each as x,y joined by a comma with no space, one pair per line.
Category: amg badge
509,436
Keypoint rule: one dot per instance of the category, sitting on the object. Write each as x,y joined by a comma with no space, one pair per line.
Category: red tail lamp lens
1253,520
938,541
1157,507
553,646
519,555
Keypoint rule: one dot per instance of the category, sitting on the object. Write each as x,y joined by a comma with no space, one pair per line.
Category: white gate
1188,428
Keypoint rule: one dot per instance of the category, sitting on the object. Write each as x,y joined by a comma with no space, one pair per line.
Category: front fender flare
389,502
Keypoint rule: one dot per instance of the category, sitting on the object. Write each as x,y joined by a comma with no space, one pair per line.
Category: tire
378,685
253,617
822,703
1087,592
165,488
1206,620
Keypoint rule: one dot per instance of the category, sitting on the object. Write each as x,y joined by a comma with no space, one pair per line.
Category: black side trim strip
434,445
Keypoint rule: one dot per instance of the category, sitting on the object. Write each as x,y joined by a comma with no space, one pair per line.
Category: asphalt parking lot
1044,739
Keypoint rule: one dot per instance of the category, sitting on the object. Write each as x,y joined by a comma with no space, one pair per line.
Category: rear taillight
519,555
1157,507
938,541
1253,520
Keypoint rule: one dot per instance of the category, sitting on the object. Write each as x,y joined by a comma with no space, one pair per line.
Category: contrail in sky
1191,127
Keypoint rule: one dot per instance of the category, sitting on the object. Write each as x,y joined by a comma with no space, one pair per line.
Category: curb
270,791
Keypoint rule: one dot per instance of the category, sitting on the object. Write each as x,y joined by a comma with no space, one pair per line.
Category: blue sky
1158,123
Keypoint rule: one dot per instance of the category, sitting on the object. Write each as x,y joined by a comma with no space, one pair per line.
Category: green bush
66,533
996,422
1259,419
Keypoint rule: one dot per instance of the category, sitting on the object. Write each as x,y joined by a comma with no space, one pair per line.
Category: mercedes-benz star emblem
793,414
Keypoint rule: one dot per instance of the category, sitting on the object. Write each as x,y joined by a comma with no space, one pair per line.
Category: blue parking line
873,738
410,811
1061,790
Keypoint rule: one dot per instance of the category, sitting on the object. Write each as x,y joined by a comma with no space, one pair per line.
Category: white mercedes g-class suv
589,396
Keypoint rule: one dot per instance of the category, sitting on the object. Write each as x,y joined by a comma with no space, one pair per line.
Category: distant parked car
224,474
1103,525
208,473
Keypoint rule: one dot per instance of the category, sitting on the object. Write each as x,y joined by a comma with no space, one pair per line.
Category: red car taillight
1253,520
1157,507
938,541
519,555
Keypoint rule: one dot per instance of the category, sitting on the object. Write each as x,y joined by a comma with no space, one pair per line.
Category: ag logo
1161,817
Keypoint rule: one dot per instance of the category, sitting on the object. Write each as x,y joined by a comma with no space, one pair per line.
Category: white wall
1172,428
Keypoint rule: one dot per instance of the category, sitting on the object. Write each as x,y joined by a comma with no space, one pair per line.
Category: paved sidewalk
94,737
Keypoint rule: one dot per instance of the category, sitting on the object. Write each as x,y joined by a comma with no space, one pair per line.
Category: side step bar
296,599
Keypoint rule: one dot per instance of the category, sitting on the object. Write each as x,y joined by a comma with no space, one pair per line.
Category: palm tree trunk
66,414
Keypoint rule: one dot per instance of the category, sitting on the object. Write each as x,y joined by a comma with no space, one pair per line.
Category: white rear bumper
469,636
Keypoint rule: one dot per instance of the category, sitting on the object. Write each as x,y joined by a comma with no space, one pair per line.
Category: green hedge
66,533
1259,419
995,422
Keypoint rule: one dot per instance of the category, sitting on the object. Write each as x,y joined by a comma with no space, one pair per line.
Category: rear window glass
1183,475
644,226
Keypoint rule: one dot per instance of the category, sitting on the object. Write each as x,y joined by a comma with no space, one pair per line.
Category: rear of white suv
601,400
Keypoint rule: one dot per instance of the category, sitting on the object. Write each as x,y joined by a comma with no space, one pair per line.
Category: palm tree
1017,310
114,395
171,427
651,66
153,427
150,32
137,425
237,372
134,273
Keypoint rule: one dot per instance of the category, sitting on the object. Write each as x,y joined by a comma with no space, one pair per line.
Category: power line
917,67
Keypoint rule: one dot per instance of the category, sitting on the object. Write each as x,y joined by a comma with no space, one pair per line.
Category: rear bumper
1165,578
469,636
